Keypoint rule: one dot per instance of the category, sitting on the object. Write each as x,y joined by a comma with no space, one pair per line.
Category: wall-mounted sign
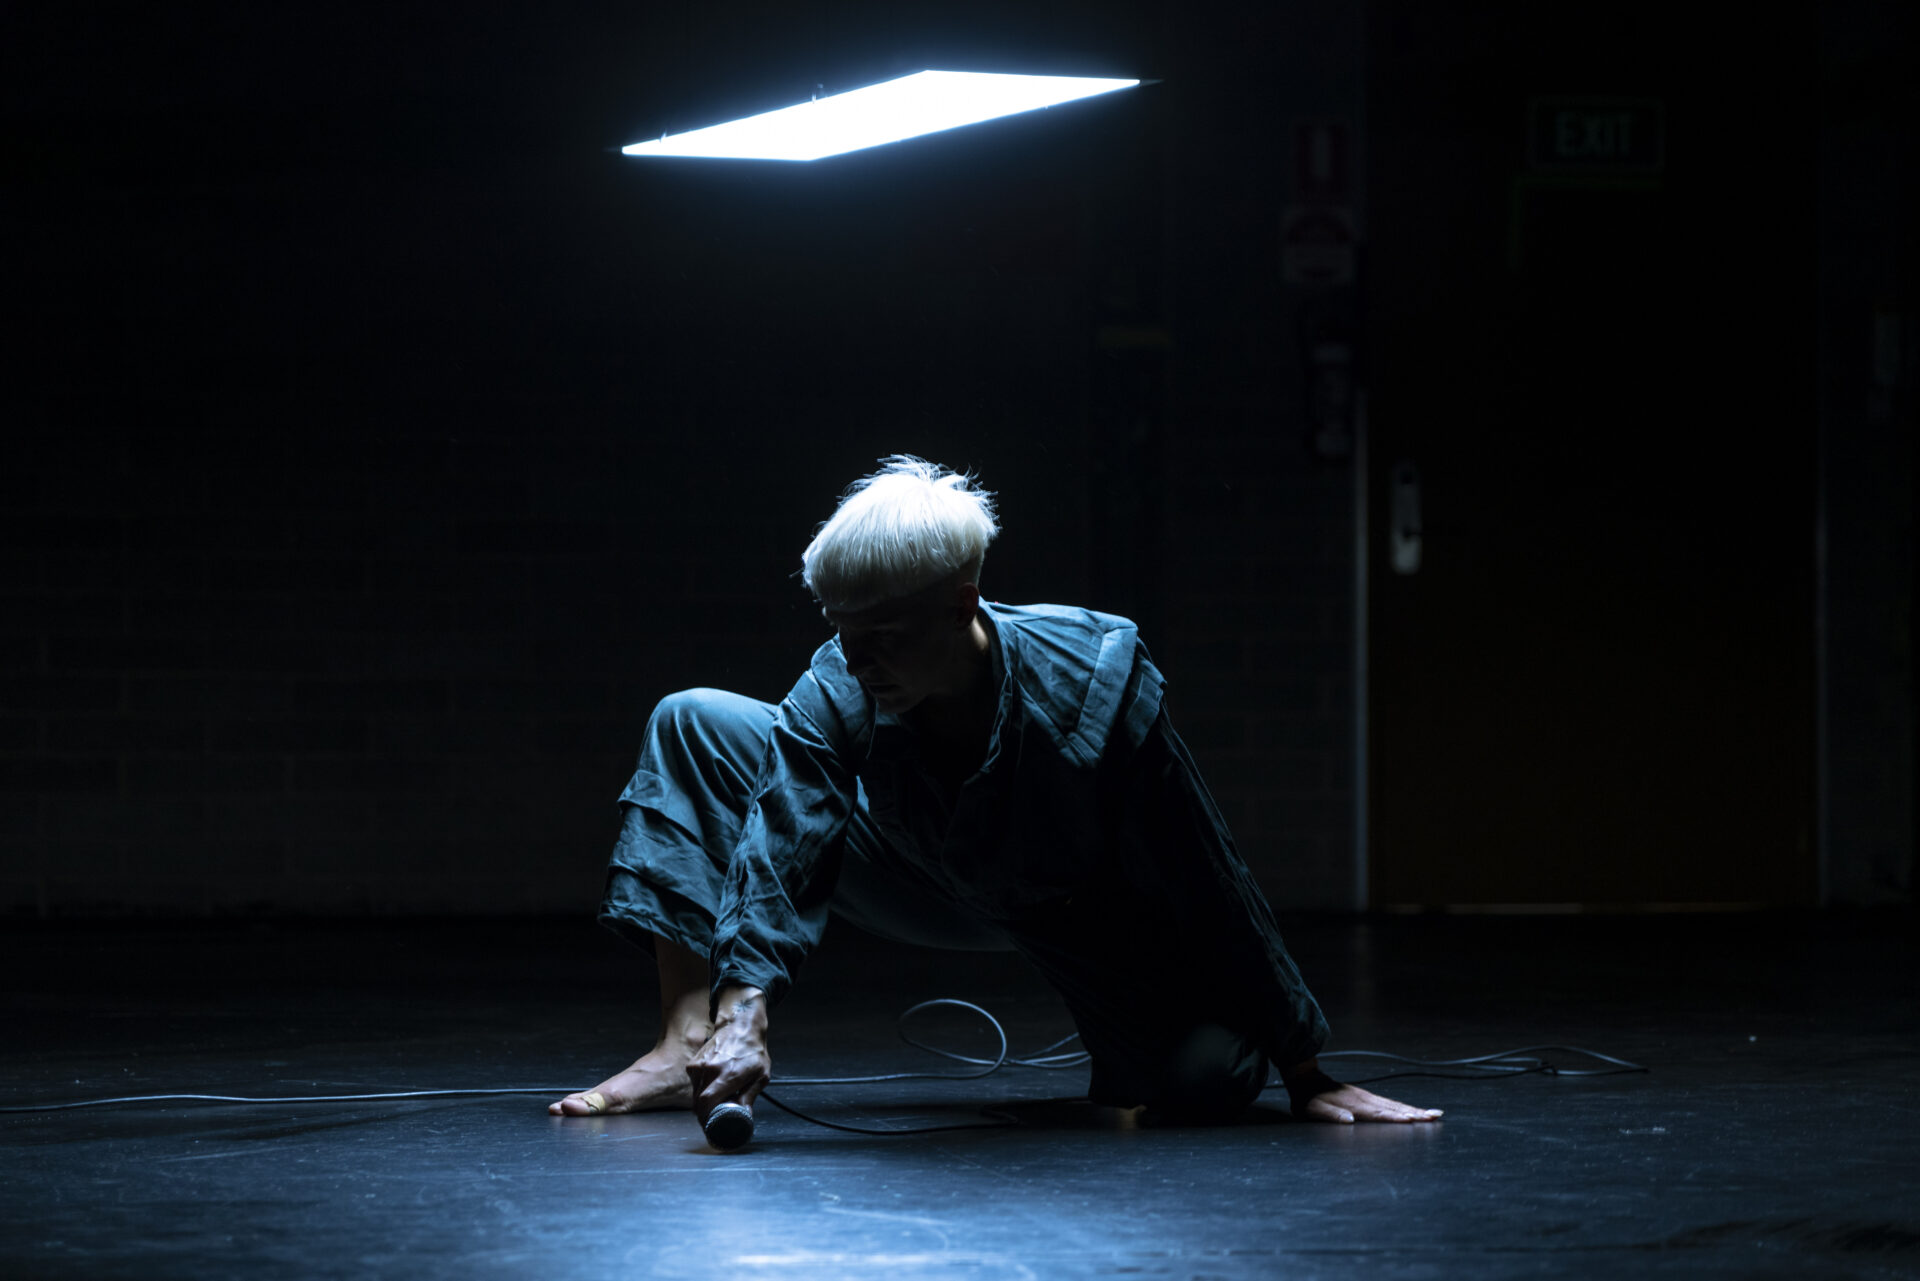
1596,135
1316,245
1322,160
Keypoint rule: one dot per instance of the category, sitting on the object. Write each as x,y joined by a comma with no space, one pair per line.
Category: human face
903,651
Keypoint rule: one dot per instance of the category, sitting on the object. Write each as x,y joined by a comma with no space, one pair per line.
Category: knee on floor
1212,1075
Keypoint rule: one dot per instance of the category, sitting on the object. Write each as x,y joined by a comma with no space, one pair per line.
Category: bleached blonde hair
900,530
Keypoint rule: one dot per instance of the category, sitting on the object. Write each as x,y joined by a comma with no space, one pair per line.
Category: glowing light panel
925,102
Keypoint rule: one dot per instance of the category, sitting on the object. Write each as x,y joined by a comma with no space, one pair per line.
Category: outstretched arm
781,875
1181,852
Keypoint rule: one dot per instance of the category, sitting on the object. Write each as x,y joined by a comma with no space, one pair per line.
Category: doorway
1592,384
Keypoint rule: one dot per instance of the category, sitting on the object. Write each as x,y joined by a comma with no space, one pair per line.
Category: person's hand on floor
1315,1096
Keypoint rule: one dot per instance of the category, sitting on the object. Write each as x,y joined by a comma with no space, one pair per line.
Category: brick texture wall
384,449
1868,252
369,490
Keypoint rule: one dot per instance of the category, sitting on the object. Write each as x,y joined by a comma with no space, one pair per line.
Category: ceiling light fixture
925,102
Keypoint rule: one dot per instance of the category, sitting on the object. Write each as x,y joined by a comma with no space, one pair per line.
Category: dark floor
1776,1134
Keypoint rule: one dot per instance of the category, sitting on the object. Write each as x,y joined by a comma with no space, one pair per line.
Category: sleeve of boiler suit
1176,845
781,877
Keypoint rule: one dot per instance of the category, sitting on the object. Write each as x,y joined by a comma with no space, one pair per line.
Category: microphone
729,1126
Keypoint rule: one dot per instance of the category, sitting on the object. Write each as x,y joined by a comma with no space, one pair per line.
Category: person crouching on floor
963,775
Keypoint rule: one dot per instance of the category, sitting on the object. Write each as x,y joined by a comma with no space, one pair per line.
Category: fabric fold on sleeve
781,876
1176,846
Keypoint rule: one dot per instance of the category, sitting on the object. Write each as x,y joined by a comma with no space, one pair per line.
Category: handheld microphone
729,1126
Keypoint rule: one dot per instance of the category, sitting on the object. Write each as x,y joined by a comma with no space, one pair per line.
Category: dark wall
384,444
1869,252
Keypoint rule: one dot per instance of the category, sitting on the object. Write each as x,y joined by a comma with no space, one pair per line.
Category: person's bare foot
656,1081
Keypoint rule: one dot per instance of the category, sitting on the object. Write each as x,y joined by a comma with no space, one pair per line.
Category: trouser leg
682,811
680,816
1149,1027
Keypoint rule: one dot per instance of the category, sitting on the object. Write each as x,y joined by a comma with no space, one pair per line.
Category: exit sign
1596,135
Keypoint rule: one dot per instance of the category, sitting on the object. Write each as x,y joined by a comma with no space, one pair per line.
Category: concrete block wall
399,672
267,684
1868,253
373,489
1259,540
318,698
1260,642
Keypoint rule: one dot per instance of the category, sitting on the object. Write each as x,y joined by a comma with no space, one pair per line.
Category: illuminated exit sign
1596,135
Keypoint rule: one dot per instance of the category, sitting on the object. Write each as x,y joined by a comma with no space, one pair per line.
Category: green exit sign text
1596,135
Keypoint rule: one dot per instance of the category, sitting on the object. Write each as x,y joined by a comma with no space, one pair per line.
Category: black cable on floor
905,1129
293,1098
1482,1067
987,1068
1490,1067
1041,1058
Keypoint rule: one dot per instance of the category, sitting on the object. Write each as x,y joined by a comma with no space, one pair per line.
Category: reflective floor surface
1777,1133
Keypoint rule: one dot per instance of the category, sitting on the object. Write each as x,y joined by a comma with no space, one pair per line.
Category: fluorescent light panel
925,102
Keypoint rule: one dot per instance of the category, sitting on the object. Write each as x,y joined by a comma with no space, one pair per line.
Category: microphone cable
1053,1057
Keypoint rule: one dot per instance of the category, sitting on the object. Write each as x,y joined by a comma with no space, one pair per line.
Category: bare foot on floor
657,1081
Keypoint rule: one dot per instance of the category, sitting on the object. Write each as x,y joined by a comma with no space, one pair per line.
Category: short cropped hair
899,531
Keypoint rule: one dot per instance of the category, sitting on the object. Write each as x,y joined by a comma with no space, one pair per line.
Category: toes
629,1091
589,1103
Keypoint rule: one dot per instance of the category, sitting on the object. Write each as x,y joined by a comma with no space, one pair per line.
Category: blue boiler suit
1086,841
